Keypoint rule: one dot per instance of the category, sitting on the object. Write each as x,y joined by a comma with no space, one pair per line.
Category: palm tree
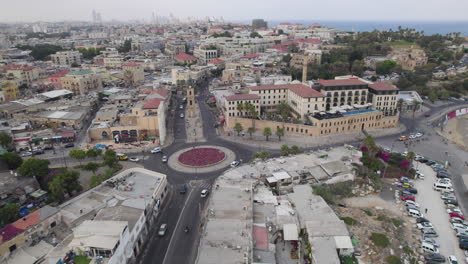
400,106
415,107
410,157
250,130
240,108
280,132
267,132
238,128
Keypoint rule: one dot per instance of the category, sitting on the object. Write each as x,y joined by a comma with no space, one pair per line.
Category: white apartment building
231,46
66,58
206,53
113,61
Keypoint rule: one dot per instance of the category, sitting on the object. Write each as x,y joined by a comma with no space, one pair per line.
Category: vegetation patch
368,212
393,260
349,220
380,240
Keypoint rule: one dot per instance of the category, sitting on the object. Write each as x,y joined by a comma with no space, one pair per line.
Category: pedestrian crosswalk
200,184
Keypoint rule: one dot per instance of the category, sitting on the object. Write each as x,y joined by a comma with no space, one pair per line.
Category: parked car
421,220
429,248
458,220
156,150
26,154
430,240
452,259
412,190
164,159
423,160
452,215
405,198
455,209
459,227
434,257
424,225
429,232
430,162
204,193
162,230
454,202
69,145
409,202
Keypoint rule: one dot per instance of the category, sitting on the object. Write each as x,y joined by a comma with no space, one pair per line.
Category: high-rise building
258,24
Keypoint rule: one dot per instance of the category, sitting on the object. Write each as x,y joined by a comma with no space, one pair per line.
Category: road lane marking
177,224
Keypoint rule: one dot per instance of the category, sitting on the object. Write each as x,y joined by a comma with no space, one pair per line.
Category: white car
134,159
164,159
181,107
412,136
419,135
405,153
204,193
162,230
409,202
26,154
181,115
452,259
458,226
448,196
234,164
156,150
424,225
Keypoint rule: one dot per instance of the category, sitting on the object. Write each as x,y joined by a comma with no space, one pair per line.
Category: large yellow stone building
82,81
10,91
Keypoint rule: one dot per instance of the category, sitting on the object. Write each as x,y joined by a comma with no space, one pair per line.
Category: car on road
204,193
434,258
26,154
427,115
403,138
183,189
412,190
455,209
423,160
164,159
418,134
162,230
69,145
412,136
122,156
235,164
38,151
155,150
182,115
430,162
452,259
408,202
181,106
134,159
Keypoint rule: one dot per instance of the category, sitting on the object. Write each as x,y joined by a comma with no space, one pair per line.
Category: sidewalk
194,126
258,140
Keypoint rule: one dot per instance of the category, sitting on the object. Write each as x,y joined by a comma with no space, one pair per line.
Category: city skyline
336,10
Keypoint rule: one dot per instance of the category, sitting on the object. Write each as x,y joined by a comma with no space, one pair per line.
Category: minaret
304,68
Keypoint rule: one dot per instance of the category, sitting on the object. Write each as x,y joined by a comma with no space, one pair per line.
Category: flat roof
290,232
56,93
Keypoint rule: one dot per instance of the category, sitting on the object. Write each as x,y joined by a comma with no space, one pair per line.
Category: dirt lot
381,221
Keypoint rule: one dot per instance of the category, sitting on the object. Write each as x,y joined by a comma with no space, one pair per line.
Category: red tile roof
216,61
300,89
184,57
251,56
131,64
305,91
28,221
59,74
162,92
285,23
19,67
238,97
345,82
382,86
153,103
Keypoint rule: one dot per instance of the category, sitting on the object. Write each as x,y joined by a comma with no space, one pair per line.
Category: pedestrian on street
426,210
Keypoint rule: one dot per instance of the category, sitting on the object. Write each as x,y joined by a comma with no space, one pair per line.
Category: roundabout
201,159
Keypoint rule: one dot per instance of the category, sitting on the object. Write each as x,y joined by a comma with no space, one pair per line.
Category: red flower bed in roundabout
201,157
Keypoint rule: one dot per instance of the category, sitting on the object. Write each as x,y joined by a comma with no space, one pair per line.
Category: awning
68,135
290,232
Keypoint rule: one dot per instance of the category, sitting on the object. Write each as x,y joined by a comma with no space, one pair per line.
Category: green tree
255,35
70,181
56,189
13,160
126,47
284,109
41,51
91,166
295,150
5,140
238,128
284,151
357,67
385,67
34,167
433,96
369,142
110,157
293,48
410,157
444,94
263,155
279,132
78,154
250,130
240,108
9,213
93,153
267,132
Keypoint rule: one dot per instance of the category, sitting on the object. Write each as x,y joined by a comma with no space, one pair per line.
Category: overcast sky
392,10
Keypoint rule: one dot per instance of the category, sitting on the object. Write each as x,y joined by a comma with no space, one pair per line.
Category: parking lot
429,198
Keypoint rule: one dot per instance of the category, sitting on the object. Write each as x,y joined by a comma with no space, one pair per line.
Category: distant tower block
191,101
304,68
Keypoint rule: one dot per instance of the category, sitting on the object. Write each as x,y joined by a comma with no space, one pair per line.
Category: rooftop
153,103
305,91
382,86
80,72
185,57
238,97
345,82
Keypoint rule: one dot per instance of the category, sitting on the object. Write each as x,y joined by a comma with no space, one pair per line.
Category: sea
429,27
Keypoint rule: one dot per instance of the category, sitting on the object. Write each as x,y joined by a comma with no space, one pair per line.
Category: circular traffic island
201,159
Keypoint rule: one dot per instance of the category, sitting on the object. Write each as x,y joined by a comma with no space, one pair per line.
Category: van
445,187
429,248
414,213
